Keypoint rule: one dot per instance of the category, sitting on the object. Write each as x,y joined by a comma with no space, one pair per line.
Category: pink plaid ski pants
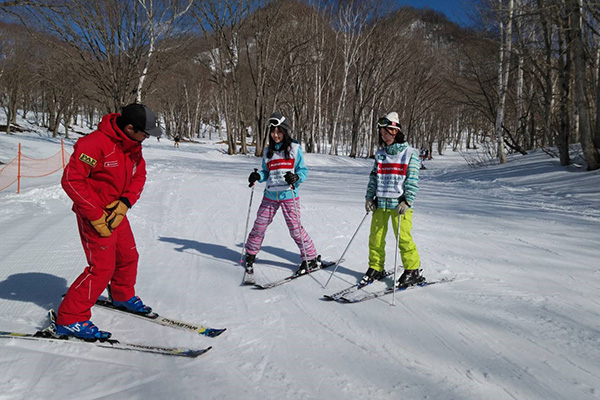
266,212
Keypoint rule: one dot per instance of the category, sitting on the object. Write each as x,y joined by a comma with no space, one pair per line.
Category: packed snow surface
521,320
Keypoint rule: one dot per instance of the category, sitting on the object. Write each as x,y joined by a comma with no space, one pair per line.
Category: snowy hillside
520,321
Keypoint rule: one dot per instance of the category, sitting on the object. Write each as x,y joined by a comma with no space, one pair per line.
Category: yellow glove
101,227
117,210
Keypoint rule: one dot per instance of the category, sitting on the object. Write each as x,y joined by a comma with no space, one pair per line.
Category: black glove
254,176
291,178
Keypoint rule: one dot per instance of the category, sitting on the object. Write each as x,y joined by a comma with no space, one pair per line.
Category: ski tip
211,332
196,353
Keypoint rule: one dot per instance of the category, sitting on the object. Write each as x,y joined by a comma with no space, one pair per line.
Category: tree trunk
564,79
503,74
590,153
597,127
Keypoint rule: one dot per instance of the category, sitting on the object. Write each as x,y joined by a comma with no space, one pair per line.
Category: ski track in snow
519,322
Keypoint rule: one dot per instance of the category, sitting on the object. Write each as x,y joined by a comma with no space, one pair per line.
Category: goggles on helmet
386,123
273,122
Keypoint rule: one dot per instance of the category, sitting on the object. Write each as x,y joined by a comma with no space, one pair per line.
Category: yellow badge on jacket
87,159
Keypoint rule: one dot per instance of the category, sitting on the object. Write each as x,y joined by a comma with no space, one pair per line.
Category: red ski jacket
105,165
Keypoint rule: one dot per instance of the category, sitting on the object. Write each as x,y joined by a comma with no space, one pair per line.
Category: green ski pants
379,227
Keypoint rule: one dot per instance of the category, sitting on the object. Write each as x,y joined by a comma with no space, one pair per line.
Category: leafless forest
524,75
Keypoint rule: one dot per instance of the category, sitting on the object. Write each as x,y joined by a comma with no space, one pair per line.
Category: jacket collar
109,127
396,148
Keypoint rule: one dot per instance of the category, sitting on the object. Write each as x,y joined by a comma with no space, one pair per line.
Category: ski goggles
386,123
273,122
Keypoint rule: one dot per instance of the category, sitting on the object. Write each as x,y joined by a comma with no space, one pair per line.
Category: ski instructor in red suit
105,178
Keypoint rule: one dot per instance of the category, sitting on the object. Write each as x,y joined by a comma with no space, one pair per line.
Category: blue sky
455,10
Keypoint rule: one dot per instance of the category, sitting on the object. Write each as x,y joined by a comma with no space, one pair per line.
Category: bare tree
351,20
565,79
546,72
322,53
184,96
381,61
109,37
262,55
63,89
503,71
591,155
221,22
16,69
163,17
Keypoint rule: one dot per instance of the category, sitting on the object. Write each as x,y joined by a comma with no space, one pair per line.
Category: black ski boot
250,263
370,276
308,266
410,277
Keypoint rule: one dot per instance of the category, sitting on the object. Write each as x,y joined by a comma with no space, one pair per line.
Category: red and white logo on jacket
278,166
274,165
392,168
391,172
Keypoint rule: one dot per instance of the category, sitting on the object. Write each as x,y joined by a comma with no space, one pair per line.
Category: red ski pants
111,260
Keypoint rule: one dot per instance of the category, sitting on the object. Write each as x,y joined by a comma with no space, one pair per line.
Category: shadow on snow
44,290
292,259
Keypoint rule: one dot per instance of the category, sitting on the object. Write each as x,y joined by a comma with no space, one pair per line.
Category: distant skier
105,177
424,156
393,186
176,140
284,170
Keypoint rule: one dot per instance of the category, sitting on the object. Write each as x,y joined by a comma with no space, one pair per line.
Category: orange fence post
62,152
19,170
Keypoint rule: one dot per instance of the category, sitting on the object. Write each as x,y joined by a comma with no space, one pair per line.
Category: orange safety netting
26,167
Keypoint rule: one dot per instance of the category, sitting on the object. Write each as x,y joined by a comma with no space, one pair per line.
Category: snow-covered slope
521,320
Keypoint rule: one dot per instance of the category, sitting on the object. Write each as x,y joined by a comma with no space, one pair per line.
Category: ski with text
49,334
158,319
321,265
354,288
372,295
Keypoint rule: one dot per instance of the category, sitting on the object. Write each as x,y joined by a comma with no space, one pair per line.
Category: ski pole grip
253,183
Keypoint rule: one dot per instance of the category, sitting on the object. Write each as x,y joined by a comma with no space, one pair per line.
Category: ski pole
299,227
396,259
346,249
252,185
